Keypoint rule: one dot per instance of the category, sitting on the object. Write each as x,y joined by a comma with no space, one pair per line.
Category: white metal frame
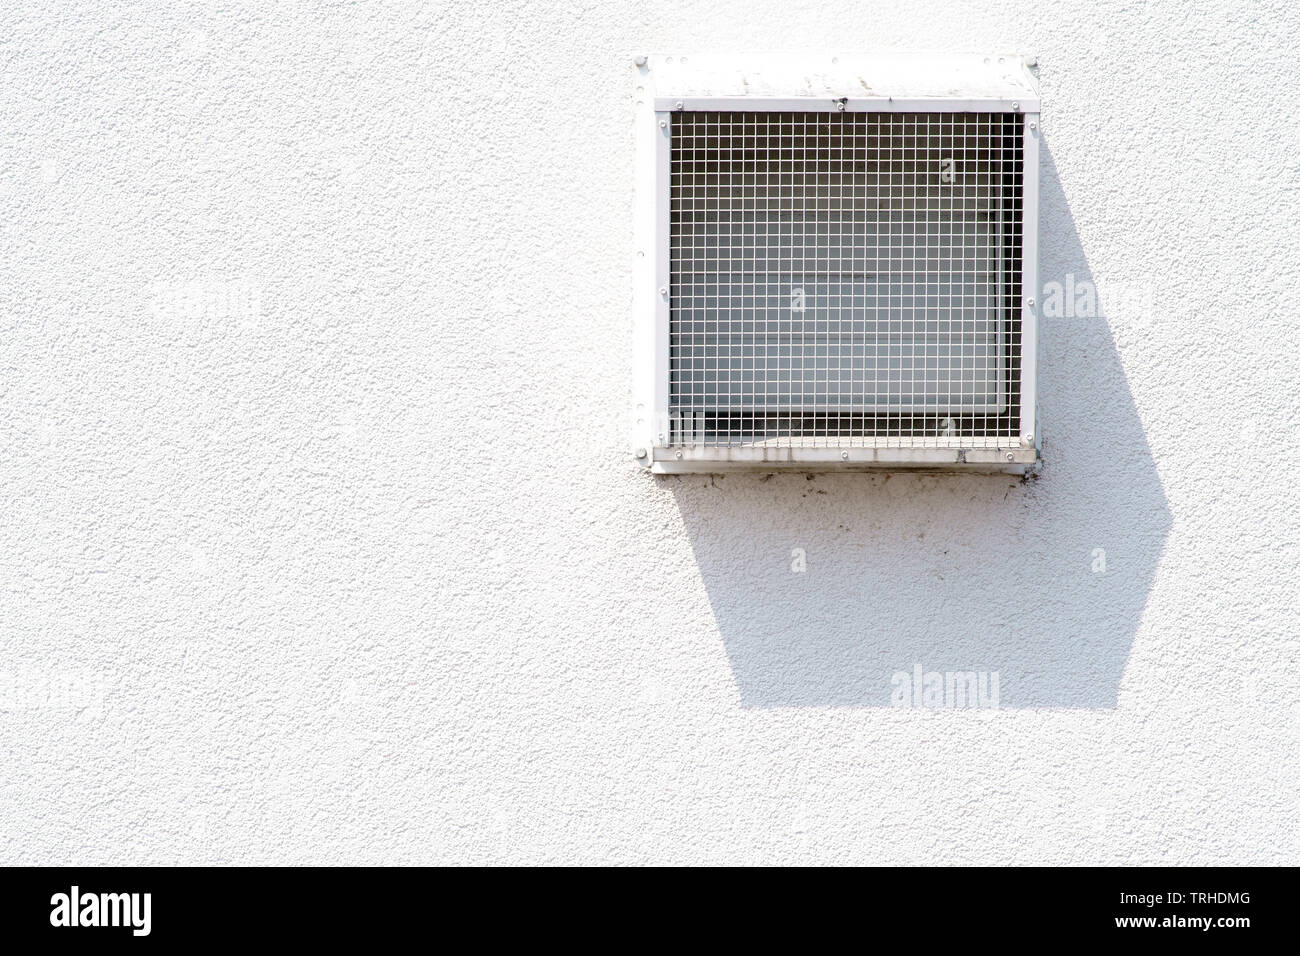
658,97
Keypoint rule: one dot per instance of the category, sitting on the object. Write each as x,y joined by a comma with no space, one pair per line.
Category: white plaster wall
321,538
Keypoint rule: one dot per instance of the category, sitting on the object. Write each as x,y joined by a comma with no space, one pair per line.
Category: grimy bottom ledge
667,461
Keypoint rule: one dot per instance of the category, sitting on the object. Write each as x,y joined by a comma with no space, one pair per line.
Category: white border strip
864,104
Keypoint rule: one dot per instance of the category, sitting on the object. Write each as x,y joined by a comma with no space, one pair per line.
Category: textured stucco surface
321,537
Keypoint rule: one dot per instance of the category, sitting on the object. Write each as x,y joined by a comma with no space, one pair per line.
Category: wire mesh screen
846,279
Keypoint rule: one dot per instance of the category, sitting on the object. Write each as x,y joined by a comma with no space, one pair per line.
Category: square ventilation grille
830,280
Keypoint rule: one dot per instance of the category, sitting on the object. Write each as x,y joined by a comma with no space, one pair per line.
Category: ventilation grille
846,279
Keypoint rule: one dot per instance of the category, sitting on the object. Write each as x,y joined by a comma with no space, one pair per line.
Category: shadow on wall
1041,582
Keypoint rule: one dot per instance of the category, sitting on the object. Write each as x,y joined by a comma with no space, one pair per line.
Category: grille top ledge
836,262
900,76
